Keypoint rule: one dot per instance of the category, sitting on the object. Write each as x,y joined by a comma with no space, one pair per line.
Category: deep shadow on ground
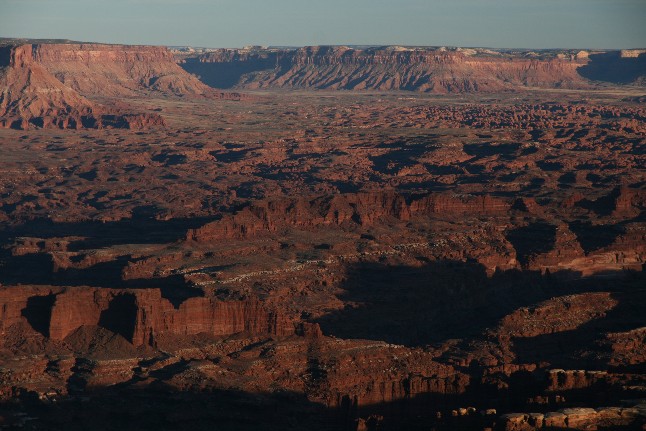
159,407
417,306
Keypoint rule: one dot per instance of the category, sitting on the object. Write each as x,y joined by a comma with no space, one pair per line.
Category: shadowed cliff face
166,408
227,72
5,56
121,316
612,67
443,300
38,312
536,238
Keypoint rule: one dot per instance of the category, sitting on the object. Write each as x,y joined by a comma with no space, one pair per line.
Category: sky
235,23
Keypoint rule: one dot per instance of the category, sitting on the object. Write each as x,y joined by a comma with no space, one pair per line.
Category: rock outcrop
388,68
362,209
140,316
32,97
577,419
56,85
117,70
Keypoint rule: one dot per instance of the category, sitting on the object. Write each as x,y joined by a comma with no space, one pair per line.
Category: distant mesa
56,85
66,85
429,70
117,70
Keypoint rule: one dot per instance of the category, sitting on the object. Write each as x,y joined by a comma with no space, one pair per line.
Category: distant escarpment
55,85
390,68
117,70
340,210
32,97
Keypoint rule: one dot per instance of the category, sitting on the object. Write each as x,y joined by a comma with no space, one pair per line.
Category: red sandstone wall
152,315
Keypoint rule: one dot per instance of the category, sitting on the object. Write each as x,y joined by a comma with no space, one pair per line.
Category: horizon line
350,45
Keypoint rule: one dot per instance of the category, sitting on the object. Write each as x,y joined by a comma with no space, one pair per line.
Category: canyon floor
329,260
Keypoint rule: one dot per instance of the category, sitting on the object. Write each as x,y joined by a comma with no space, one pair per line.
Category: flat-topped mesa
389,68
554,315
335,55
32,97
55,85
118,70
94,52
340,210
140,316
29,92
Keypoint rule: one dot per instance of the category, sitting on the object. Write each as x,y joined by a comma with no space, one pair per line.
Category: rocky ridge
33,97
57,85
117,70
140,316
426,70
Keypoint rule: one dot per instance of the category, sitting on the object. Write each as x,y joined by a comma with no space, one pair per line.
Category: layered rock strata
427,70
51,85
140,316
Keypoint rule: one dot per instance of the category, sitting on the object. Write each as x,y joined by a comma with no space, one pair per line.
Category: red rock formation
140,316
15,301
577,419
454,205
566,249
32,97
628,201
361,208
156,318
562,314
29,92
564,380
47,85
394,68
117,70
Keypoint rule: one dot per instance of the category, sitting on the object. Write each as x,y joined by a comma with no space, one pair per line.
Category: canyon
456,241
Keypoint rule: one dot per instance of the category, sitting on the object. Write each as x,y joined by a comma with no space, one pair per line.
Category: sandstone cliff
32,97
55,85
391,68
351,208
140,316
117,70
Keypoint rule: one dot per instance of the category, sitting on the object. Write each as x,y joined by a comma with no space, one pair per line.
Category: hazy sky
234,23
